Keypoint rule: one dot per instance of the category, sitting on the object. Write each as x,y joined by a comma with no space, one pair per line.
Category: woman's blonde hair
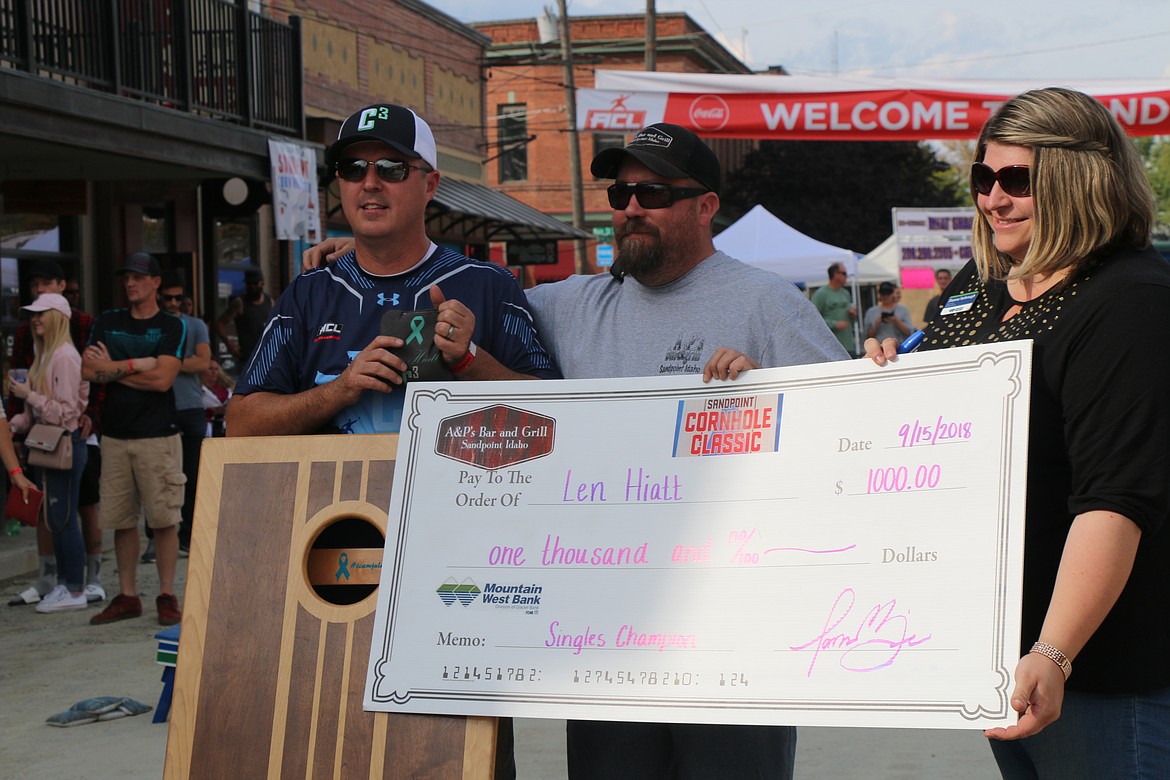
56,333
1089,190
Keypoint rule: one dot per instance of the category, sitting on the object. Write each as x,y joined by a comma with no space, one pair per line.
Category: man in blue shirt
321,364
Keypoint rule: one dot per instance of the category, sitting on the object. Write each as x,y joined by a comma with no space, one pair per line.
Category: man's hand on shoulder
328,251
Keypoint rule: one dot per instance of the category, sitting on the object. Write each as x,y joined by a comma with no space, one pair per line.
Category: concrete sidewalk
50,662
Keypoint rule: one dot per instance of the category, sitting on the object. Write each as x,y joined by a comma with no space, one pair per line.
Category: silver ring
450,332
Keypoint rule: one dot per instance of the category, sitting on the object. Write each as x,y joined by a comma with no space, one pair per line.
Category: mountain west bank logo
463,592
617,117
525,597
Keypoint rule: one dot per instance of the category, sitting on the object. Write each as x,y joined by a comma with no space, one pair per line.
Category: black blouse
1099,439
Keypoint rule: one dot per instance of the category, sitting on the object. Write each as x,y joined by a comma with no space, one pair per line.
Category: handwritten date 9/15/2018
873,643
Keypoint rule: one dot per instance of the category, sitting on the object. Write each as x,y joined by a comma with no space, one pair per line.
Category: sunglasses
651,195
1015,180
166,297
387,170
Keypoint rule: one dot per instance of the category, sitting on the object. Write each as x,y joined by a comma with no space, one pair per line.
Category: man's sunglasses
387,170
166,297
651,195
1015,180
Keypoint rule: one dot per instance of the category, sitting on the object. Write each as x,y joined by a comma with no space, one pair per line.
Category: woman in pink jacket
55,394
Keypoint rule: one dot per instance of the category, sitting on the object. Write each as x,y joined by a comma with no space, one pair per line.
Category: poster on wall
295,204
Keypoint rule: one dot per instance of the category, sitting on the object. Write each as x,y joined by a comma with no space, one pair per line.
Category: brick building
526,100
361,51
144,125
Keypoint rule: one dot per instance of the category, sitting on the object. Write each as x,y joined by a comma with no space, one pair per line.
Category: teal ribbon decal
343,563
416,327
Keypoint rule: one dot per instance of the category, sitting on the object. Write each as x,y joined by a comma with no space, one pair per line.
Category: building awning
478,214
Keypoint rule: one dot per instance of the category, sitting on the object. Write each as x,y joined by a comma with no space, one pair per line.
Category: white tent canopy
761,239
882,264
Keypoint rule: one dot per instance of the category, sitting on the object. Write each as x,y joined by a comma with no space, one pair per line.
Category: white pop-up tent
882,264
761,239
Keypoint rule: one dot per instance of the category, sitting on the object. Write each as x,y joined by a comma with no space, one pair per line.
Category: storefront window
234,251
25,238
156,229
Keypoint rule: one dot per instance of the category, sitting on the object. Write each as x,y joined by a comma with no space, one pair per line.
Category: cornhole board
277,619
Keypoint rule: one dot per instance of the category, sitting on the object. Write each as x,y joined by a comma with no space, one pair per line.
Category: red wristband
130,361
466,359
15,471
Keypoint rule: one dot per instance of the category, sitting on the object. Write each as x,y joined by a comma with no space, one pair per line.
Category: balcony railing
208,57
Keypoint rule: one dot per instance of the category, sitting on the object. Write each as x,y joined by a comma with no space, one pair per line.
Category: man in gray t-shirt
188,398
675,305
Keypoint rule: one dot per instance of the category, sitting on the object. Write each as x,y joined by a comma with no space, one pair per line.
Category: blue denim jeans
62,489
193,427
1097,736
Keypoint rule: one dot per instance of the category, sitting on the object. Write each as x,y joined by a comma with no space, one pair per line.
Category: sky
1054,41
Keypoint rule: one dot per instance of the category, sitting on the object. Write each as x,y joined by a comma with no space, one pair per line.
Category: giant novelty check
837,544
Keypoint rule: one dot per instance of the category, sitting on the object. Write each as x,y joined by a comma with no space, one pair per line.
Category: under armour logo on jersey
383,300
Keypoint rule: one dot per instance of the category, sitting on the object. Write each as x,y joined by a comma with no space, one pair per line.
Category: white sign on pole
295,207
933,238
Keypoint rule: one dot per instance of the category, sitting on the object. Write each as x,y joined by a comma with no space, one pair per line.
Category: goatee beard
642,257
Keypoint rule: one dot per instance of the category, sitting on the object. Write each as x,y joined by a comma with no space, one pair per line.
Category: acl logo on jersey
330,331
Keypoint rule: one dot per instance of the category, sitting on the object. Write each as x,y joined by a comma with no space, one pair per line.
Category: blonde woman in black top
1062,257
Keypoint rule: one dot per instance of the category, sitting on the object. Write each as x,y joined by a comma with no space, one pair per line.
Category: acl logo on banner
621,113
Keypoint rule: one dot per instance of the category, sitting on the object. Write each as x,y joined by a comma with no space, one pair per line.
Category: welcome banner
809,108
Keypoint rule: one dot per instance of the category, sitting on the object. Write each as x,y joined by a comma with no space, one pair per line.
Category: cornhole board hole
277,621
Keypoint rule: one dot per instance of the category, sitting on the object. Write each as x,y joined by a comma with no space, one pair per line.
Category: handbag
25,513
49,447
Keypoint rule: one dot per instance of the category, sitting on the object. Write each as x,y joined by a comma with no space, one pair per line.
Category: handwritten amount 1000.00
898,479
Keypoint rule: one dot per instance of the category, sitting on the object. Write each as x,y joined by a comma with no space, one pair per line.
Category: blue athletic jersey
329,315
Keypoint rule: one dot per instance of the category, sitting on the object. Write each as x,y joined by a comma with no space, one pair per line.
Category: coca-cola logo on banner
709,112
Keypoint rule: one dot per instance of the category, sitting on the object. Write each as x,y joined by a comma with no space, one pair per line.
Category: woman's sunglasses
651,195
1015,180
387,170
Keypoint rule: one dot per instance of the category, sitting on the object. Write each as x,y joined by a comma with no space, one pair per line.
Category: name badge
960,302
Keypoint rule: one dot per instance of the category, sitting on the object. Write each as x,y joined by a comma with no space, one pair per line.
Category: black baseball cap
46,269
141,263
395,126
668,150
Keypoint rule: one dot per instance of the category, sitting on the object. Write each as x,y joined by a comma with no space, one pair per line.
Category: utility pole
651,36
574,139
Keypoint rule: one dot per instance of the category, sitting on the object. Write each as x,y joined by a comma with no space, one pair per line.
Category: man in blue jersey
136,352
321,365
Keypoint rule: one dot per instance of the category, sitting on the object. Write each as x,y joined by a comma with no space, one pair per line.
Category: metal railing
209,57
